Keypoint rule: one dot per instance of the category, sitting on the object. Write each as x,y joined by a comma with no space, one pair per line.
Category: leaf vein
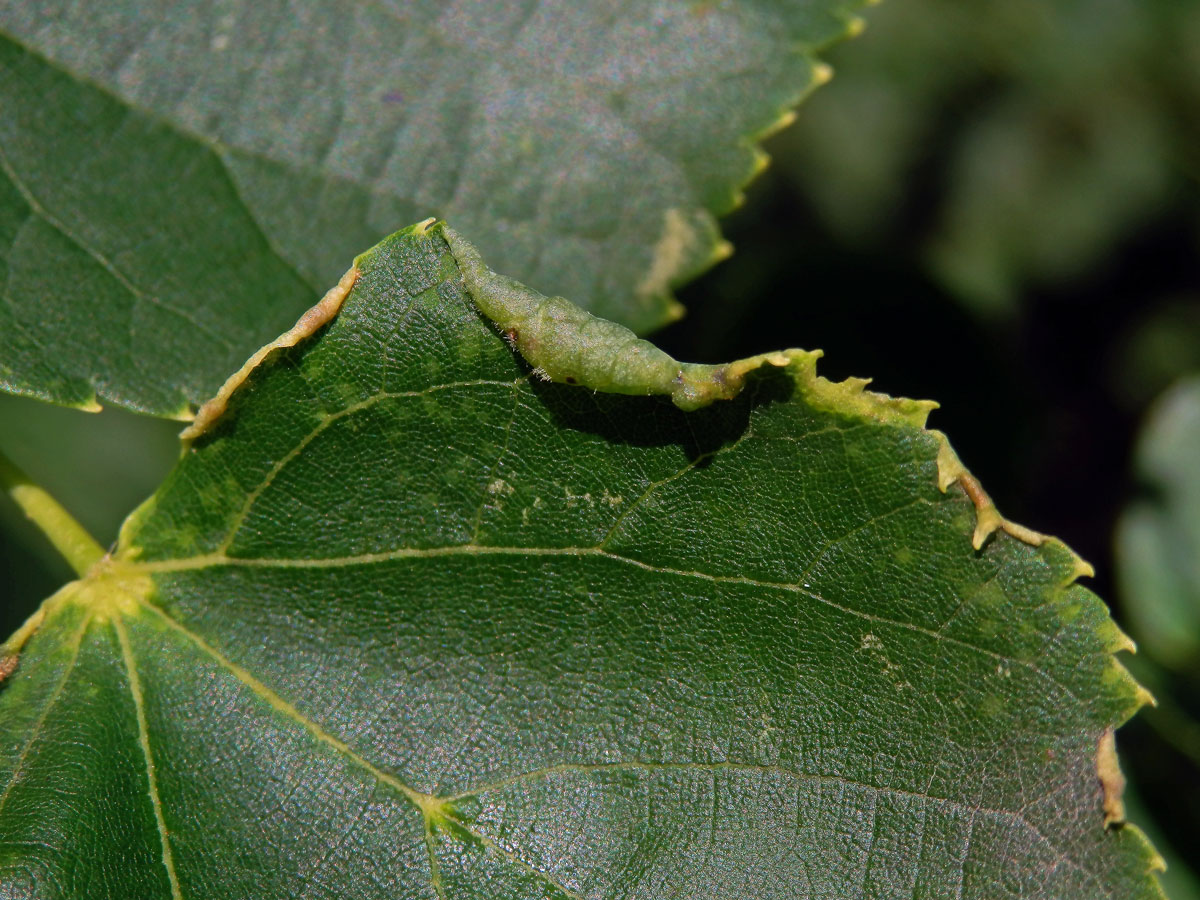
435,870
425,803
923,798
135,690
217,560
288,710
99,258
253,496
35,732
654,486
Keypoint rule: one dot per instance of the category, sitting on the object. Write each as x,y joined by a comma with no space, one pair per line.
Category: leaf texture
409,622
178,181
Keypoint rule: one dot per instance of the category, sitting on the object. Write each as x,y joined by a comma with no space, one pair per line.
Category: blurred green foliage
1163,345
1038,134
1158,538
100,466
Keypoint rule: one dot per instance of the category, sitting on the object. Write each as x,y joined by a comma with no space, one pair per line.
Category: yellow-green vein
139,704
435,870
421,800
253,496
55,694
430,806
214,560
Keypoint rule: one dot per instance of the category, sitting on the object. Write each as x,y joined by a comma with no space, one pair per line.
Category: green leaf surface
178,181
1178,881
409,622
131,270
1158,539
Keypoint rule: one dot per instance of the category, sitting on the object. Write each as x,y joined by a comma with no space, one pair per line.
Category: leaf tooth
988,519
92,405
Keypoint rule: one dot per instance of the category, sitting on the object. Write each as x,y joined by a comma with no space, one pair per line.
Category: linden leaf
408,622
177,181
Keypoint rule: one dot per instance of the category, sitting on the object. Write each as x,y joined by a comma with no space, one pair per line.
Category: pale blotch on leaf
500,487
675,246
566,344
1112,779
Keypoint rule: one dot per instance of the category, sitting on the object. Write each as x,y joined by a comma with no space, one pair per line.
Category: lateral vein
135,689
36,731
279,704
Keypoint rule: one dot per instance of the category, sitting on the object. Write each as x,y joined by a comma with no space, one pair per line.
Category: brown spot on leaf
1112,780
308,324
8,665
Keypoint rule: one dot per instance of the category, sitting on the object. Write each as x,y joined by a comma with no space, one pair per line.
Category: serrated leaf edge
783,116
850,397
108,590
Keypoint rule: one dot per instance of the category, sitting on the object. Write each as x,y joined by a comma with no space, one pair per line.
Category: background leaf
162,226
131,270
1159,538
1158,542
408,622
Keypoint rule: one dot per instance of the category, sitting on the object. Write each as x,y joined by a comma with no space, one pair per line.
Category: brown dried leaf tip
308,324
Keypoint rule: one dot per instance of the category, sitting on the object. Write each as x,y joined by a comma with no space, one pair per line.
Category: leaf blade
504,631
207,173
92,275
81,744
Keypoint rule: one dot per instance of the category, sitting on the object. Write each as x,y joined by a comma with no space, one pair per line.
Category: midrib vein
217,560
135,689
